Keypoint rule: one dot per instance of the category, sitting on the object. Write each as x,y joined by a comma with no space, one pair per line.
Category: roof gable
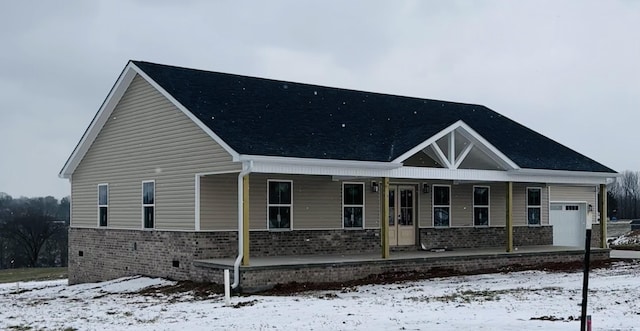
459,146
111,101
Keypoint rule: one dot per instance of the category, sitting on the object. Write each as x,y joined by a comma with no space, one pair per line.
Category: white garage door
568,224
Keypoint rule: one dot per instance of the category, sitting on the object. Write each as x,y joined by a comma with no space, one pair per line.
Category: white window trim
103,206
434,206
148,205
364,187
526,212
280,205
488,205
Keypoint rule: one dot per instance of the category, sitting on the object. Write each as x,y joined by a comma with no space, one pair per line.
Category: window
534,205
103,204
148,204
481,205
279,204
353,205
441,205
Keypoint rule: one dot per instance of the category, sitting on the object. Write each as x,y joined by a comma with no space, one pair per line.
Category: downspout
236,264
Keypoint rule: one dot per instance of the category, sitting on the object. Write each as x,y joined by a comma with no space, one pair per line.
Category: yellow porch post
384,222
509,220
245,220
603,215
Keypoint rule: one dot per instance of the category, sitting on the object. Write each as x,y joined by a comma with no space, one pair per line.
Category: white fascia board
329,163
566,173
189,114
98,121
423,173
558,177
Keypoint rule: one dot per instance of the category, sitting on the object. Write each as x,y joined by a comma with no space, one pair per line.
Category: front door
402,215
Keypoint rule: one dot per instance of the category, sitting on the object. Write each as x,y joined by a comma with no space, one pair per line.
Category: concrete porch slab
266,272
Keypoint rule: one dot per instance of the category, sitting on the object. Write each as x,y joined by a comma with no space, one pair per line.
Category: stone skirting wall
257,279
307,242
473,237
102,254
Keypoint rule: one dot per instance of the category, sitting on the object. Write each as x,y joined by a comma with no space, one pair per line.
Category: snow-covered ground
531,300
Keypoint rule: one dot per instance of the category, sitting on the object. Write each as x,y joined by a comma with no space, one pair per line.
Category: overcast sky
567,69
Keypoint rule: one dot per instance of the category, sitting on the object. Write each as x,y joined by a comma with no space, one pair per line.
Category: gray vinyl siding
425,210
497,204
520,203
462,204
372,206
574,194
219,202
316,201
145,138
258,200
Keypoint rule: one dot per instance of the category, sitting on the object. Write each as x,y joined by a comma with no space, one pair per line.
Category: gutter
236,264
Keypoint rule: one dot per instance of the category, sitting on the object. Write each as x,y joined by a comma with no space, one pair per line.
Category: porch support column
509,220
245,220
602,203
384,222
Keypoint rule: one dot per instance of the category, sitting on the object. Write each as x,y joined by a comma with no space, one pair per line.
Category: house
180,166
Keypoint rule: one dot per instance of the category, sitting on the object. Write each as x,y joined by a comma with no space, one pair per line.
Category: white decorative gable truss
459,146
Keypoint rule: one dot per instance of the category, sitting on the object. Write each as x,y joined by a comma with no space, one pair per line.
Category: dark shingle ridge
260,116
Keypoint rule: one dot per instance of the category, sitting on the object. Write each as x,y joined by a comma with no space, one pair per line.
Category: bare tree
626,191
31,232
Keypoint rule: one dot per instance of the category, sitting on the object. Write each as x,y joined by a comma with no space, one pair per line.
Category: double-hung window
481,205
353,205
103,204
279,204
148,204
441,205
534,205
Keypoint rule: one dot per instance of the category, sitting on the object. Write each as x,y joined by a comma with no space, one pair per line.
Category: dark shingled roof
268,117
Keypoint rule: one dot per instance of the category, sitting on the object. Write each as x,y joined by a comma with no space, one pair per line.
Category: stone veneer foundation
473,237
103,254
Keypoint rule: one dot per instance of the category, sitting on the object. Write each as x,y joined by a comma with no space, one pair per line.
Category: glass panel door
406,215
401,215
393,222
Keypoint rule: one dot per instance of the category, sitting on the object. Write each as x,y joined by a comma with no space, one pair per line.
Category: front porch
268,271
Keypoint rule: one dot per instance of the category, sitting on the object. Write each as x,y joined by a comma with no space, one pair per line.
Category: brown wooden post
509,220
602,203
245,220
384,222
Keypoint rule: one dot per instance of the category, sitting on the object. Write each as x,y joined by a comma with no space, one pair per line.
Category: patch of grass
32,274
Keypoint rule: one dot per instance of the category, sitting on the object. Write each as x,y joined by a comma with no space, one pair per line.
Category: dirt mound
396,277
627,241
